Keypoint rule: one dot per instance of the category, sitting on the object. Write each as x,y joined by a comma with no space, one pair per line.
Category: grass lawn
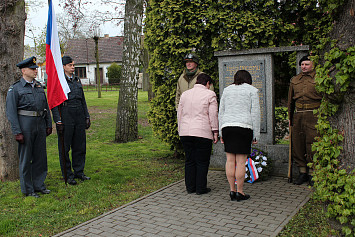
120,173
310,221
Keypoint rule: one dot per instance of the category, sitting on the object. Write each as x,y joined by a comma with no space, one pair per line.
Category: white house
82,51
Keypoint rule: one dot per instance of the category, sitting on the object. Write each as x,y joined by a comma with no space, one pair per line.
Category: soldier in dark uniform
303,99
72,118
28,112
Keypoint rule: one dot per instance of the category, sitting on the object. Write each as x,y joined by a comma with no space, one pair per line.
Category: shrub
281,121
114,72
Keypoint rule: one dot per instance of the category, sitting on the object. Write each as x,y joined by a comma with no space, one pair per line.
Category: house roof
82,51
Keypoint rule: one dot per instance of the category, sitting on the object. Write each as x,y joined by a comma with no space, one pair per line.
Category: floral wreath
257,166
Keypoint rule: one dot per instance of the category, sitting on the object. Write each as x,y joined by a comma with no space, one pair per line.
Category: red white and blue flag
253,171
57,86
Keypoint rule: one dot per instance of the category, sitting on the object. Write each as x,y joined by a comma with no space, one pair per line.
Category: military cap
305,58
191,57
66,60
28,63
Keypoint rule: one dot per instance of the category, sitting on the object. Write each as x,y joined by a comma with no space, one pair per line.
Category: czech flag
57,86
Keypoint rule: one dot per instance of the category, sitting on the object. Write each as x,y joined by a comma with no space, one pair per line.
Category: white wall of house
90,73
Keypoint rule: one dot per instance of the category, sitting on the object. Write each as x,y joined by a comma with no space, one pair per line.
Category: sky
37,20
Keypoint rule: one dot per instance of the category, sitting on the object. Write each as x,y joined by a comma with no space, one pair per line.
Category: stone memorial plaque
257,70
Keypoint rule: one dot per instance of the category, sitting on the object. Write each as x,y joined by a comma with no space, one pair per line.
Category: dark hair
242,76
203,78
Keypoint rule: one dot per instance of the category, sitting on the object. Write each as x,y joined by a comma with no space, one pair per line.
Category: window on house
80,72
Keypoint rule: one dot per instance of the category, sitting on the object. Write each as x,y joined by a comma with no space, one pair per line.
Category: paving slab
171,211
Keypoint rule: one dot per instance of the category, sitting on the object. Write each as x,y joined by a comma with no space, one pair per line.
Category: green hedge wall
175,27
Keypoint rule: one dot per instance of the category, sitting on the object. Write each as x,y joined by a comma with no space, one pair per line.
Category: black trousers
74,139
197,153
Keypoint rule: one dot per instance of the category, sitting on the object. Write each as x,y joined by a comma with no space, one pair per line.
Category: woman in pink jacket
198,127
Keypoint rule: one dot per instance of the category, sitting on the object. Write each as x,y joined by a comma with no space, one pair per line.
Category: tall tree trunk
12,29
127,115
344,120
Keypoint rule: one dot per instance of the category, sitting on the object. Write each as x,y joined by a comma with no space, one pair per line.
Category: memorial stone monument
259,63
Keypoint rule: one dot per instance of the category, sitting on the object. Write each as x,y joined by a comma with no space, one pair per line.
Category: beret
66,60
305,58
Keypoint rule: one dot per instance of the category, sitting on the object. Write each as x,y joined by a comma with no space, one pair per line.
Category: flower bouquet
258,166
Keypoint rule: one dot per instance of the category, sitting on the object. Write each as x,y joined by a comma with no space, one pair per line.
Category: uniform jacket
76,98
185,83
302,90
239,107
198,112
22,96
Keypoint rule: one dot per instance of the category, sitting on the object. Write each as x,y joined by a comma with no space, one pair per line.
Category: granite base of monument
277,153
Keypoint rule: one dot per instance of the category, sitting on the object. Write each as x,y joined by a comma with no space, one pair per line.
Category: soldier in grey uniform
72,118
28,112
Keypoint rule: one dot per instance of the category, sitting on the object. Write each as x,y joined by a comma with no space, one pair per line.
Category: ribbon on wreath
254,175
252,170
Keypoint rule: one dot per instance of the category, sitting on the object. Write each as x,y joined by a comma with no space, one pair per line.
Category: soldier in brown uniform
302,100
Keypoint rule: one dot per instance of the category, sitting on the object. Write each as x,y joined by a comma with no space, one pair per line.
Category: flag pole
58,88
61,136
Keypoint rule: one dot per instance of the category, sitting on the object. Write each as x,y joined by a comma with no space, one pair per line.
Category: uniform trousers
32,154
73,119
197,153
303,134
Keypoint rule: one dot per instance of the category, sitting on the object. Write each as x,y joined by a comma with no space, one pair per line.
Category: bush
114,73
281,120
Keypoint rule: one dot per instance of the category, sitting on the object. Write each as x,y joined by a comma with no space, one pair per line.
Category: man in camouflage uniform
187,79
303,99
27,111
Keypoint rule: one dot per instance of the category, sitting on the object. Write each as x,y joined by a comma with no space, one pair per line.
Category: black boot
302,178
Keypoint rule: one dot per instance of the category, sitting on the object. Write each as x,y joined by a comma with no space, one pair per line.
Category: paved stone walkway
170,211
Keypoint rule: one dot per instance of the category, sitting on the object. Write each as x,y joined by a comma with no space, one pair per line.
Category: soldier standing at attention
72,118
302,100
28,112
187,79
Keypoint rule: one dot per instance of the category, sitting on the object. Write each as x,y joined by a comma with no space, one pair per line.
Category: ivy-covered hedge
333,184
176,27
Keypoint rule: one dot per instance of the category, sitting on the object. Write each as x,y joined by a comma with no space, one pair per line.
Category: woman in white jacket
239,124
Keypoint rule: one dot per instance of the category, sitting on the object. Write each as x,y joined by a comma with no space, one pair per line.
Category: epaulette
12,86
16,82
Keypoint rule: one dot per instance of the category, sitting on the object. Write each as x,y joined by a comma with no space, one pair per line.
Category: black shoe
43,191
71,182
310,181
207,190
241,197
191,191
233,195
32,195
302,178
83,177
